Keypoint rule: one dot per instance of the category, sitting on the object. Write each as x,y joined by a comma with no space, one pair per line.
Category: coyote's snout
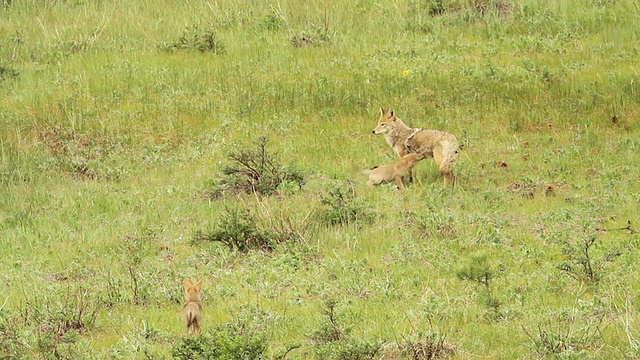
441,145
394,172
192,311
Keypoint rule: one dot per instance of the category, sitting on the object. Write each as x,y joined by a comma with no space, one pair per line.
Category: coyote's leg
437,155
448,178
446,162
410,175
399,182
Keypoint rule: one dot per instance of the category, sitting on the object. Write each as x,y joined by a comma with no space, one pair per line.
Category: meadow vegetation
144,142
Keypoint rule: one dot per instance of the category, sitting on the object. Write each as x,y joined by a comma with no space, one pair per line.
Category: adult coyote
441,145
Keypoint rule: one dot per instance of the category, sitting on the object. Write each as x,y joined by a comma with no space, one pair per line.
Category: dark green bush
55,322
195,38
580,261
332,340
254,170
349,349
479,270
341,205
243,339
12,345
221,343
426,347
316,35
564,341
242,230
7,73
238,230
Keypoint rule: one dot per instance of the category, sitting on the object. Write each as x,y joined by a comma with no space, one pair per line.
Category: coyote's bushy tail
192,322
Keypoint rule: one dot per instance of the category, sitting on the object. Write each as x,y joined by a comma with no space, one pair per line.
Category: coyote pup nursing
393,172
441,145
192,311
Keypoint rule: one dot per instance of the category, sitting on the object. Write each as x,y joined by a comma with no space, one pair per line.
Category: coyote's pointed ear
391,112
187,284
382,110
198,285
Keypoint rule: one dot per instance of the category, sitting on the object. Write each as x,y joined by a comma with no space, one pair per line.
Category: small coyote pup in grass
192,311
393,172
441,145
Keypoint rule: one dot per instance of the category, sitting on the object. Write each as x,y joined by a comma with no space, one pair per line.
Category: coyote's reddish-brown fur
393,172
192,311
441,145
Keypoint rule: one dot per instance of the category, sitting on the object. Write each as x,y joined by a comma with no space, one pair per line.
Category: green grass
111,137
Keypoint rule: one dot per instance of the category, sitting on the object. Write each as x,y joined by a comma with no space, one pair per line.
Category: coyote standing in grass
393,172
441,145
192,311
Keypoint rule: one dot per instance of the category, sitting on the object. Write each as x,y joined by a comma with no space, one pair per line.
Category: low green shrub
225,342
56,322
238,230
332,340
564,341
426,347
7,73
341,205
254,170
196,38
244,338
243,229
580,262
479,270
12,344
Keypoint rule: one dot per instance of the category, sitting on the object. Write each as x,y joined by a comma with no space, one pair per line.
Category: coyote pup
393,172
192,311
441,145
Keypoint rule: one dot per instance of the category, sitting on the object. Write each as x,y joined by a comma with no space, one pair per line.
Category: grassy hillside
119,118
